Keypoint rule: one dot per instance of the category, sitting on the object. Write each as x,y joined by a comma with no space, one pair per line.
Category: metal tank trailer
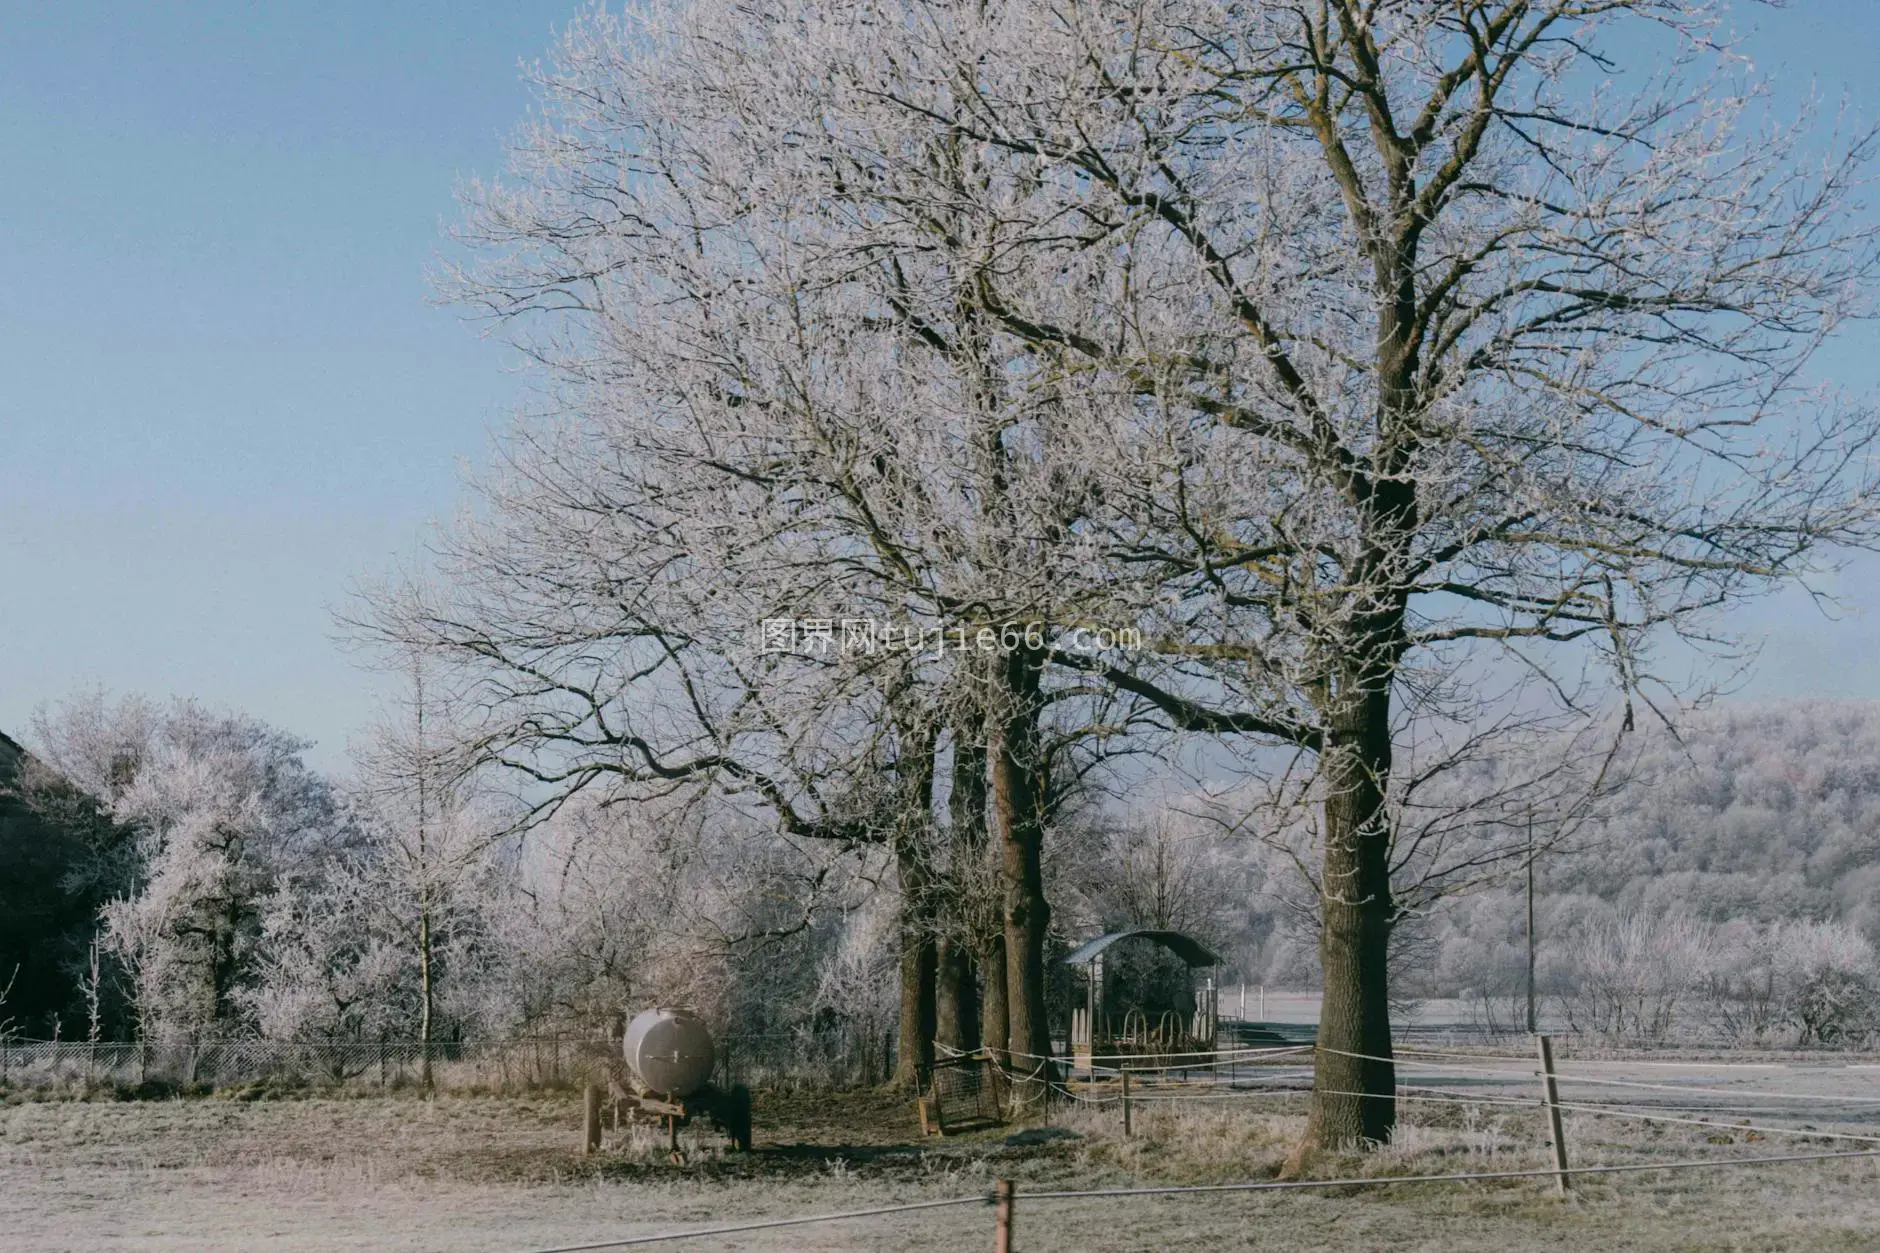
670,1055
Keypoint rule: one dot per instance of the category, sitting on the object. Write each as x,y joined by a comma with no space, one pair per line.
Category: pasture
468,1171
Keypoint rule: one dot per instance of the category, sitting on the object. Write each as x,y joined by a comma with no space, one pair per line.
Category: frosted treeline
1730,891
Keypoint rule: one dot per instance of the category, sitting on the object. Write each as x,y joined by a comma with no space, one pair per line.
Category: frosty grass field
471,1172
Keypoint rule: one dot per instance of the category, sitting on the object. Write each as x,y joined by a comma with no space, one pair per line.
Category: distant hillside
1762,811
1753,811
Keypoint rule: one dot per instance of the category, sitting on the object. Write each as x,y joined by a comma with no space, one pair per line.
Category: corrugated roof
1186,947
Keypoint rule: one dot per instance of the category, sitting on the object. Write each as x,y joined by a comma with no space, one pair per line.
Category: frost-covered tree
430,825
218,807
326,967
773,413
1469,367
1399,380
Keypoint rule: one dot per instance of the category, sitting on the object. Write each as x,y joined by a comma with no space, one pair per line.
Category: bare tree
1402,389
769,418
1470,381
430,823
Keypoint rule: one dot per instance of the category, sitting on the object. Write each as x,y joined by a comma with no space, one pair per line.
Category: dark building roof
1186,947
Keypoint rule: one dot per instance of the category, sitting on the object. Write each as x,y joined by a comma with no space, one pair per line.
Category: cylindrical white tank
670,1051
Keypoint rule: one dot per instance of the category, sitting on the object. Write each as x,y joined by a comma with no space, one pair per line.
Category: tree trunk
1018,800
956,1005
1026,918
914,1050
994,1022
1354,1081
958,1001
915,1045
426,994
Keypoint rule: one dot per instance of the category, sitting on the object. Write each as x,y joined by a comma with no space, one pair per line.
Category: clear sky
224,394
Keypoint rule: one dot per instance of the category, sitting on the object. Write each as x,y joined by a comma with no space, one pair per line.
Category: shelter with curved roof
1148,994
1192,952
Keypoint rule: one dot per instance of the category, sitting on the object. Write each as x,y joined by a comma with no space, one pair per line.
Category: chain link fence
807,1058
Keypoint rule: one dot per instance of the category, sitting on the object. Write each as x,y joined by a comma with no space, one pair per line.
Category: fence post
1127,1129
591,1118
1002,1197
1551,1090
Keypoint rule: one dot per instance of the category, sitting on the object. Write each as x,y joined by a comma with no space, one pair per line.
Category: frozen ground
488,1174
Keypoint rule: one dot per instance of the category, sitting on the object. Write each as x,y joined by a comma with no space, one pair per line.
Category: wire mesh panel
963,1093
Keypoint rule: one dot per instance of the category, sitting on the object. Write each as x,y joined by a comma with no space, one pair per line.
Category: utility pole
1531,1025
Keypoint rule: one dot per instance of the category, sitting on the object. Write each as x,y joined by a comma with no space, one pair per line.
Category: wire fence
838,1059
1710,1097
1710,1101
1006,1197
215,1062
549,1060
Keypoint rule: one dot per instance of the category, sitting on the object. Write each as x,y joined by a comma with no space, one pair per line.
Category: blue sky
224,394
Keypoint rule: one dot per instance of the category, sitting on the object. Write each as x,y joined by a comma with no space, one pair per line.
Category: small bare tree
430,825
91,988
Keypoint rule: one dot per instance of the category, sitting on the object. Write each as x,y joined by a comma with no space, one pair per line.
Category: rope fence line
1218,1057
1174,1098
1005,1195
1610,1109
1641,1114
1502,1073
1403,1095
1214,1081
1788,1111
1241,1059
1263,1185
1565,1077
1379,1181
1425,1093
770,1224
1443,1096
1649,1117
1407,1050
1410,1058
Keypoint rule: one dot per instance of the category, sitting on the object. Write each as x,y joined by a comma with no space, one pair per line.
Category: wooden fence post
591,1118
1127,1128
1551,1091
1002,1197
